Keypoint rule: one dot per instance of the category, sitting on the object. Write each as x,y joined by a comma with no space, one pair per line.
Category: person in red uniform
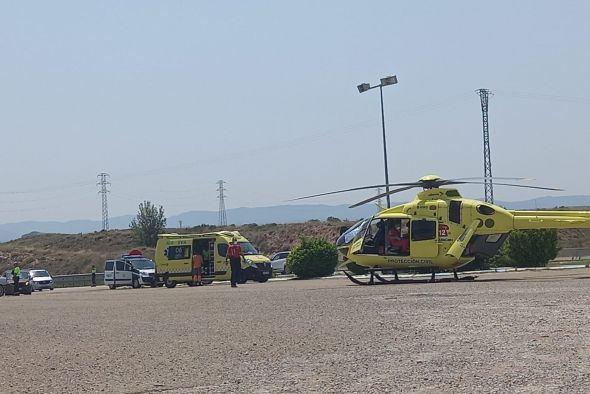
197,269
396,242
234,255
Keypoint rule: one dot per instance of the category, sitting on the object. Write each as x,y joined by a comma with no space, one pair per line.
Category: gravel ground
524,332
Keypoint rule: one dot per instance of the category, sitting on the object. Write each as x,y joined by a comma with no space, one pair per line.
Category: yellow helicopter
438,230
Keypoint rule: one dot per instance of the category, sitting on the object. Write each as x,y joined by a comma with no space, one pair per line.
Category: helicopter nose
343,245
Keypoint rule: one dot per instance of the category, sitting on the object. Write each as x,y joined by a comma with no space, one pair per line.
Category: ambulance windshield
247,248
143,264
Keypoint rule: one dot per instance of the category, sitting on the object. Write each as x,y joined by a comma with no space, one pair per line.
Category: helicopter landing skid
376,279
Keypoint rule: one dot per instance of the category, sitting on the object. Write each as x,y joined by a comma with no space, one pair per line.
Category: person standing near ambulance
197,269
234,255
16,278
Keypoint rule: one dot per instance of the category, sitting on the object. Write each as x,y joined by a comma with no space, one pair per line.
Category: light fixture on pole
363,87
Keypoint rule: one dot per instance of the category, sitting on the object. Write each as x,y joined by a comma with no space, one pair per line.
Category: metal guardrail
77,280
82,280
573,254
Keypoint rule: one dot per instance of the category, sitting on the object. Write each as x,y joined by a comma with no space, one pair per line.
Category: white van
132,269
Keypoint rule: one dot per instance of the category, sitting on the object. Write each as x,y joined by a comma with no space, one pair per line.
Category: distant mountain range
261,215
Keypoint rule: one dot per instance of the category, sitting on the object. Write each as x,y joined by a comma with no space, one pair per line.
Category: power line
103,176
487,157
48,188
222,220
542,96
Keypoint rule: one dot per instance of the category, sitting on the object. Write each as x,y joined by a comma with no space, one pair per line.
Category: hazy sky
169,97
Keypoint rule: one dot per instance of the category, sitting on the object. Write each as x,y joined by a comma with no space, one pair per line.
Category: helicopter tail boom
526,220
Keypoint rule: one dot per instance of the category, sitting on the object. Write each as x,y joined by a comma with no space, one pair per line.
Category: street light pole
363,88
384,148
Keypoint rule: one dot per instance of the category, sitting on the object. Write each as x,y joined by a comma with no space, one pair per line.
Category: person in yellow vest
197,269
16,278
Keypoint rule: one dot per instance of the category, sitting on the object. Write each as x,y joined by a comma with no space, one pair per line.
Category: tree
313,258
150,222
535,248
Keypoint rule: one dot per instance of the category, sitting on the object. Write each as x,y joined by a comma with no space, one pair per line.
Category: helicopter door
423,238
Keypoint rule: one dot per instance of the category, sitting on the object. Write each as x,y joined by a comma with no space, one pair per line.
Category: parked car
133,270
278,260
3,284
40,279
24,285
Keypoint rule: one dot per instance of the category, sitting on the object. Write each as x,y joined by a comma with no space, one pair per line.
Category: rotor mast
487,158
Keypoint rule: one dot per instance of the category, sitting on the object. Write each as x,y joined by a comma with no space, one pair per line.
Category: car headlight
250,262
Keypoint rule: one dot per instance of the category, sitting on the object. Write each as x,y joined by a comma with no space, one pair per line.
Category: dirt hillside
76,253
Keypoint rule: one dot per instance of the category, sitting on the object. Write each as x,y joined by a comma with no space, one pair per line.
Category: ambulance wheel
243,277
135,283
207,282
112,287
170,284
1,290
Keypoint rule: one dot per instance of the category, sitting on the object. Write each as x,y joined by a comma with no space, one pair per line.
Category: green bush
313,258
532,248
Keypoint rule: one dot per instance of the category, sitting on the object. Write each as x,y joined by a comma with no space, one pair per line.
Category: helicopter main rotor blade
427,182
412,184
401,189
513,185
474,178
449,183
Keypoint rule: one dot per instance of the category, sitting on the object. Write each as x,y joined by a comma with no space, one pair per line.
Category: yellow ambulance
174,258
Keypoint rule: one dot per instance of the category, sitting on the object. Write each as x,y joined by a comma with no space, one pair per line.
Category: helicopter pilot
379,238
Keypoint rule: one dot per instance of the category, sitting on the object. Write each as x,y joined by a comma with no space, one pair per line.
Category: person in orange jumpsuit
396,242
197,269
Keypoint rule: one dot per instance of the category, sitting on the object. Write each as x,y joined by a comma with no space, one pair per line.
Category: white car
278,260
129,270
40,279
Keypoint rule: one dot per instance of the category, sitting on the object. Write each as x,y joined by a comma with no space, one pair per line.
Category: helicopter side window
485,210
455,211
374,238
397,237
423,230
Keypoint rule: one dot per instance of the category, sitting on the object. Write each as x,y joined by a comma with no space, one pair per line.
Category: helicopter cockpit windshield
357,230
